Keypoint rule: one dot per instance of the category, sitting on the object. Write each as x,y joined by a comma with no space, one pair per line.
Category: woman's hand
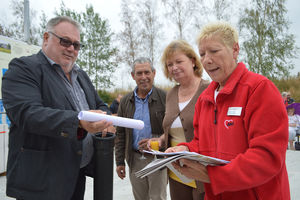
177,149
192,169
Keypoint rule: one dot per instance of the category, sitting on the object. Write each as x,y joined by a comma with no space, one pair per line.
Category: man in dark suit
49,148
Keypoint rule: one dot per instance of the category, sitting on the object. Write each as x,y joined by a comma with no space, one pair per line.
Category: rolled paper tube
117,121
154,145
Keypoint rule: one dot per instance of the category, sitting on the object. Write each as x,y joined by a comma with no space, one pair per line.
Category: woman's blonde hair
185,48
226,32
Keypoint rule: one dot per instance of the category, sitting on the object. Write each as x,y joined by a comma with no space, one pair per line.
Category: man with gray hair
146,103
49,148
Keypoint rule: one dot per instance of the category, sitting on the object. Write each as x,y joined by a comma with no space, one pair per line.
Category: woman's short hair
227,33
185,48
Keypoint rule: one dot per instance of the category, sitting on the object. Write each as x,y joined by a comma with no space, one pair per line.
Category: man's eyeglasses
67,43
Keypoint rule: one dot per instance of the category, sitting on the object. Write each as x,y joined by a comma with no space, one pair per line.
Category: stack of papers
157,164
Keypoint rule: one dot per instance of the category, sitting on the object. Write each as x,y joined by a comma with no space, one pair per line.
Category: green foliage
98,49
268,49
97,58
289,85
43,24
106,96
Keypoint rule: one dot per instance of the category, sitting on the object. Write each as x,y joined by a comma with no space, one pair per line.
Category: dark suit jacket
44,152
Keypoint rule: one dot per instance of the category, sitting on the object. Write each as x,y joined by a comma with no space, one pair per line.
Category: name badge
234,111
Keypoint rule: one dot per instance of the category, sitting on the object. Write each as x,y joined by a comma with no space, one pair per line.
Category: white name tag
234,111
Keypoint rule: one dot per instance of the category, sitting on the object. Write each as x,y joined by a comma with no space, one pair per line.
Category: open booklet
158,164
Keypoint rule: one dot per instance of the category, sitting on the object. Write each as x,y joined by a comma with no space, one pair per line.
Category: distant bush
105,96
291,85
115,93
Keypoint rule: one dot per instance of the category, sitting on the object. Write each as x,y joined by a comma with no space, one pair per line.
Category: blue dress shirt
141,113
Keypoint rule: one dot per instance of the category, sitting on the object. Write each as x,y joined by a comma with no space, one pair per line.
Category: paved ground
122,188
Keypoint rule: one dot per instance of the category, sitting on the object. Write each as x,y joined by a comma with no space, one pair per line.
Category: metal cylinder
103,171
26,21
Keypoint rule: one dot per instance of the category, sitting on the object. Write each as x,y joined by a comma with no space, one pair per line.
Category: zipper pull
215,121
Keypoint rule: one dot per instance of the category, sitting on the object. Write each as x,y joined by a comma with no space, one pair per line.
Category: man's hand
95,127
121,171
143,144
161,142
192,169
110,129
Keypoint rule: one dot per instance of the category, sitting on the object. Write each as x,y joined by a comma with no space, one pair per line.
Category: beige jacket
186,115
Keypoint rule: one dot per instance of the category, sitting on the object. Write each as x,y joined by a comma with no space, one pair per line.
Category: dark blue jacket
44,152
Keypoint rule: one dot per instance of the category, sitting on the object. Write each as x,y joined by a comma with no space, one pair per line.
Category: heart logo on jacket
228,122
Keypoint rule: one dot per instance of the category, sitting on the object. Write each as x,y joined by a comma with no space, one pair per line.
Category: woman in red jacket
240,117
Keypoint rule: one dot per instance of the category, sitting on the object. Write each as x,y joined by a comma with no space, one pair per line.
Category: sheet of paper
117,121
159,153
171,157
183,178
192,156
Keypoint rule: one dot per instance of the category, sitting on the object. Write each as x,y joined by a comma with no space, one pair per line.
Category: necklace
186,93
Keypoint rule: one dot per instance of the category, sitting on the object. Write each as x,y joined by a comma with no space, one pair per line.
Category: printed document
157,164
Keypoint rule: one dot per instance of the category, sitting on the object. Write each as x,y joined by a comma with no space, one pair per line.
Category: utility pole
26,21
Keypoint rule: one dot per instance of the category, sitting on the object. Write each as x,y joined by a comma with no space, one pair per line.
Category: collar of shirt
73,72
137,98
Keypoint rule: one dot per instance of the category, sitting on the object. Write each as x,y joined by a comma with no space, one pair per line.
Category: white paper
117,121
159,153
183,178
171,157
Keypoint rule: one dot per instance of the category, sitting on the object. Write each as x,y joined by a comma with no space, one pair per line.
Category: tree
98,48
151,27
43,24
129,36
209,10
98,55
5,31
221,9
179,12
268,47
16,29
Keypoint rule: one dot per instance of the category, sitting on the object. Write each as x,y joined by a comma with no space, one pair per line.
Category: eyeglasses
67,43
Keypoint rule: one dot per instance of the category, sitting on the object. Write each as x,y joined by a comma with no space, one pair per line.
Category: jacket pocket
31,170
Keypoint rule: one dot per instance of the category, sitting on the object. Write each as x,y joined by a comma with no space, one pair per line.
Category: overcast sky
110,10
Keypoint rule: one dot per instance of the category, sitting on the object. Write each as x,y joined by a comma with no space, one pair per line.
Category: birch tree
268,47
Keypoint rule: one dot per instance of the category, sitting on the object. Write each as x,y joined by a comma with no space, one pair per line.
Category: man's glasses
67,43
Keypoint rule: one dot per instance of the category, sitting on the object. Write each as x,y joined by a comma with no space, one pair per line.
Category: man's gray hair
141,60
56,20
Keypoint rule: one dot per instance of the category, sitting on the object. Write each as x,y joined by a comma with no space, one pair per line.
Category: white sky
110,10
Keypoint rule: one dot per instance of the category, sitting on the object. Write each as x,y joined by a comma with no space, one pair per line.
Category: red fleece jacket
248,125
